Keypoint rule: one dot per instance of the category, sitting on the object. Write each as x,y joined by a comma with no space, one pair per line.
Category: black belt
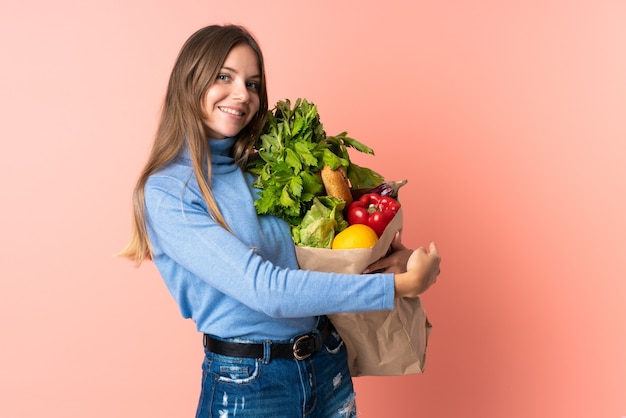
302,347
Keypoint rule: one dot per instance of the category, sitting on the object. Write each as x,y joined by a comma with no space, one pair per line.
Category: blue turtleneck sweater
246,285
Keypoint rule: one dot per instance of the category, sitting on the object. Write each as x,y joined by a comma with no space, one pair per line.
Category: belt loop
267,352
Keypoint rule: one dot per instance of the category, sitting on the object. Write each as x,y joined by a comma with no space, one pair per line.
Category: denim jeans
317,387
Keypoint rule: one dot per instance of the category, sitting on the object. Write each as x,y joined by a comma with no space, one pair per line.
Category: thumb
433,249
396,244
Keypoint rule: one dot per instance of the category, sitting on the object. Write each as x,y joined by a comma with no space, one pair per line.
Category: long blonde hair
181,123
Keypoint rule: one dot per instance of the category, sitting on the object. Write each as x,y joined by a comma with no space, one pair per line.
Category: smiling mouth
231,111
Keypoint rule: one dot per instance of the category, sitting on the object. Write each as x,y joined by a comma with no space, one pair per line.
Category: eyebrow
236,72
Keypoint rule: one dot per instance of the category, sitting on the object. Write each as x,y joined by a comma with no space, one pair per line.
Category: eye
253,85
223,77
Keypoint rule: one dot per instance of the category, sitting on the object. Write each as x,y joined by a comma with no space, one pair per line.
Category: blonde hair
181,123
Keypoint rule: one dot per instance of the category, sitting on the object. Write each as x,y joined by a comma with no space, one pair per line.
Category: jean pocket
334,344
235,370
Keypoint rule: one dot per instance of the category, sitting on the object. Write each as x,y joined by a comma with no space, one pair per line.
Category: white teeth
231,111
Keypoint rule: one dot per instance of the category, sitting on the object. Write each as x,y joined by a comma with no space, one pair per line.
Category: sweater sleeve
195,247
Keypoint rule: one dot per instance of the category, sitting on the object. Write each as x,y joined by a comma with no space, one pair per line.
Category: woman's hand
395,262
422,269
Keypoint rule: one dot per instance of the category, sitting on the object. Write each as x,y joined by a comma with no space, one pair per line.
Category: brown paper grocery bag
385,343
379,343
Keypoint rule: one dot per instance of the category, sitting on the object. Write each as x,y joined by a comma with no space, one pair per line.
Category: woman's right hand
422,271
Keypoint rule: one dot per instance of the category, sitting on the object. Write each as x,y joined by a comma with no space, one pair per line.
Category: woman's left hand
395,261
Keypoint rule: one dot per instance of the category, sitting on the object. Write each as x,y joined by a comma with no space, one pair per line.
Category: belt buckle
304,342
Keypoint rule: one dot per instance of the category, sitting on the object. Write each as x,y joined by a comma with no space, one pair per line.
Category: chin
222,134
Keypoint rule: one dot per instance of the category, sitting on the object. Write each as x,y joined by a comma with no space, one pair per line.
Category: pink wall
506,117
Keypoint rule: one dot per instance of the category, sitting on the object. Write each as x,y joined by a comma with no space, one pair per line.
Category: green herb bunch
292,150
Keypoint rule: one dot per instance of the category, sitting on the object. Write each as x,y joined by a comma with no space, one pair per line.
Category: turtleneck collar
221,147
221,155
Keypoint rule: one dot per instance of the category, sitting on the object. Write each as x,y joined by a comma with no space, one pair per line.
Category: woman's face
233,99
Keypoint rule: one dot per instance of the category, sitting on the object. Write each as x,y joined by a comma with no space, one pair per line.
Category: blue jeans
318,387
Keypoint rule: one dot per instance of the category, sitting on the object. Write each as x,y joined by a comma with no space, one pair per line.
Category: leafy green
363,178
320,223
292,150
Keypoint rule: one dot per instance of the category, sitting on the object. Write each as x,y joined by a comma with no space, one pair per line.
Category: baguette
336,183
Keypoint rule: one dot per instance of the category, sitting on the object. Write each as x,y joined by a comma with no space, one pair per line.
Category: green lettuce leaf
320,223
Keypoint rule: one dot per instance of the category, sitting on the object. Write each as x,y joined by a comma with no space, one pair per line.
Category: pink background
507,117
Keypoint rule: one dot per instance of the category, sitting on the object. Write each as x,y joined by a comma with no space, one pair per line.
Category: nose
241,92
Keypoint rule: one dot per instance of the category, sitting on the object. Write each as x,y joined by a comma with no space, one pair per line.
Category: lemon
355,236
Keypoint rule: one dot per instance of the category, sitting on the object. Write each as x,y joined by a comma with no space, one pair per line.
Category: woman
269,348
